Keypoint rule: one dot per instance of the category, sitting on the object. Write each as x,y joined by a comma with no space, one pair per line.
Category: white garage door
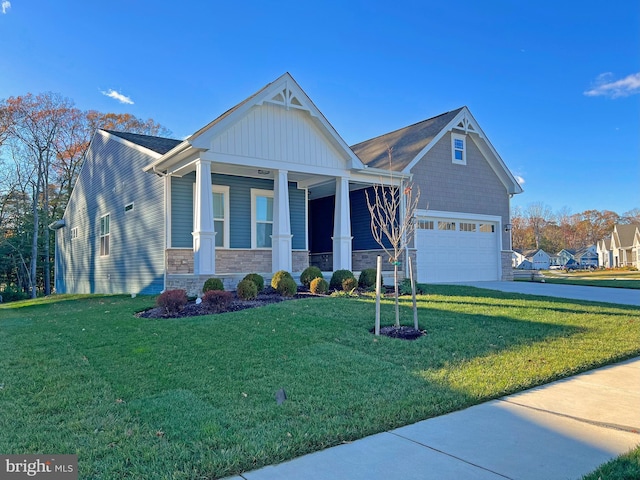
454,250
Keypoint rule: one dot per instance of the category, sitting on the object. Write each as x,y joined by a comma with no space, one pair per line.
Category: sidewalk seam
450,455
612,426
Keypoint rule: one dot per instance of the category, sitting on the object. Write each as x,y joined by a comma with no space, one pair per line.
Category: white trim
127,209
463,139
459,216
106,235
223,189
167,210
256,192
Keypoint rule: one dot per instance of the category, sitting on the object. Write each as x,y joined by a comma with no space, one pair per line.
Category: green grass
194,398
597,278
625,467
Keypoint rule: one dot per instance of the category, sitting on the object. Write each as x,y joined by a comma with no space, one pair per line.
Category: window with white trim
221,215
104,235
425,224
446,225
487,228
74,233
458,149
261,218
467,227
128,207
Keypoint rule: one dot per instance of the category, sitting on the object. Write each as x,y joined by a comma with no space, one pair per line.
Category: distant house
605,253
270,185
623,246
586,257
537,260
517,258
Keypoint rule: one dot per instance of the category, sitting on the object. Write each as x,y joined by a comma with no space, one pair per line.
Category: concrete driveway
626,296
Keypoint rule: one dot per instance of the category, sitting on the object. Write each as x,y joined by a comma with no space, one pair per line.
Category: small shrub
367,278
287,287
13,294
319,286
212,284
247,290
217,300
258,280
405,287
338,277
279,276
172,301
308,274
349,284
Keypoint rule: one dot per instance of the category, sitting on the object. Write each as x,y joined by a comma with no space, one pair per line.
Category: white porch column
342,227
204,255
281,234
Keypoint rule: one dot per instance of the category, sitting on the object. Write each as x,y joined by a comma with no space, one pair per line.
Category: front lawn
597,278
195,397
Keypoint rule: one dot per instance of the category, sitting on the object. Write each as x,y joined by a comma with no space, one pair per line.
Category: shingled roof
159,145
406,143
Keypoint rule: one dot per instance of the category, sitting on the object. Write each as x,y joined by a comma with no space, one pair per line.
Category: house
587,257
517,258
605,254
270,185
536,260
621,248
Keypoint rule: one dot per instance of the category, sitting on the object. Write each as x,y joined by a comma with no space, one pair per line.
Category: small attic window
128,207
458,149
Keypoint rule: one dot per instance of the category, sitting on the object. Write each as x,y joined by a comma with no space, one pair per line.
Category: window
221,215
261,218
467,227
74,233
104,235
128,207
446,225
487,228
458,148
425,224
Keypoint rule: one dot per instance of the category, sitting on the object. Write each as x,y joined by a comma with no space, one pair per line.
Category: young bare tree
392,210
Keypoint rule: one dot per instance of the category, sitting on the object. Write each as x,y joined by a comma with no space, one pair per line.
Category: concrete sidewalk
562,430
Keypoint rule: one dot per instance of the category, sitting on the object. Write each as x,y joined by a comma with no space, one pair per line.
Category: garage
457,249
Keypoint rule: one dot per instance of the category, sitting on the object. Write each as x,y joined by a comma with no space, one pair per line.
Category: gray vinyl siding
239,210
471,188
111,178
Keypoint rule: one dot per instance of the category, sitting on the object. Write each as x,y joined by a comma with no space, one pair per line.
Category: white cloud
606,86
6,5
118,96
520,179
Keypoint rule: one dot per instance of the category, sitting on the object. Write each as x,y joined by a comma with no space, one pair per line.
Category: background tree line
43,140
537,226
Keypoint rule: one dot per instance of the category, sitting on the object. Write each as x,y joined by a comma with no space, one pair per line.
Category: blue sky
554,85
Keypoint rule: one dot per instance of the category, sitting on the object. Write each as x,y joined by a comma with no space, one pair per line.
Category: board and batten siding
239,210
272,132
111,178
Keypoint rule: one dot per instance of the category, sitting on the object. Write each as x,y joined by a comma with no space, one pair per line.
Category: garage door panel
455,255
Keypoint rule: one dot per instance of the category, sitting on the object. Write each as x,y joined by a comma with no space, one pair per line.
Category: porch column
342,227
204,255
281,234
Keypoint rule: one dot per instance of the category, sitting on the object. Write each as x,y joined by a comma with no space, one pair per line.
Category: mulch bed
267,297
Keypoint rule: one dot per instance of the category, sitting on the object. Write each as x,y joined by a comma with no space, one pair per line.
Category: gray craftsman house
270,185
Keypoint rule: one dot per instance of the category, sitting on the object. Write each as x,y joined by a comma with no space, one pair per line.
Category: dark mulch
193,309
403,332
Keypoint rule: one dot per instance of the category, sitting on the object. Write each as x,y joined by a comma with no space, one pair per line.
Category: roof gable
623,235
409,145
283,98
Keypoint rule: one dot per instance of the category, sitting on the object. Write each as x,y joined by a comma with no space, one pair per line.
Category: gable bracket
467,125
288,98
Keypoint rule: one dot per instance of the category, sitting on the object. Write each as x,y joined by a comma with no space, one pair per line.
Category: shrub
319,286
279,276
349,284
308,274
258,280
287,287
247,289
217,300
367,278
13,294
338,277
212,284
172,301
405,287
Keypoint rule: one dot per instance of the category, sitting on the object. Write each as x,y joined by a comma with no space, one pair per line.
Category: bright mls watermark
50,467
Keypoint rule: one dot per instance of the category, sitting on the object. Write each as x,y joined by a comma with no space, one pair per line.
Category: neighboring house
587,257
517,258
538,259
605,254
564,256
270,185
622,248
